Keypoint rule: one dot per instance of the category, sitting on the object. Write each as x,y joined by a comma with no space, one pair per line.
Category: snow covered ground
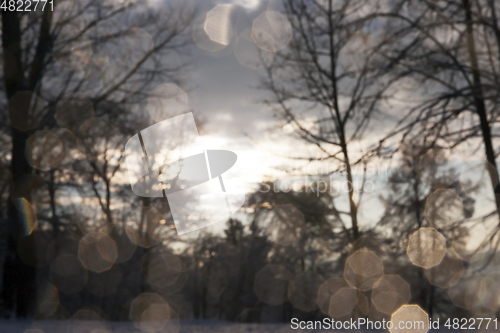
66,326
182,327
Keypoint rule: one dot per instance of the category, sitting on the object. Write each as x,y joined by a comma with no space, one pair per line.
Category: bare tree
325,83
450,52
111,52
408,208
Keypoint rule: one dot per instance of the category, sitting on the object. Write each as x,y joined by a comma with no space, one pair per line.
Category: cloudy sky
225,94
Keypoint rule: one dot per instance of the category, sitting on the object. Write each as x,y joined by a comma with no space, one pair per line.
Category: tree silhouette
326,83
108,52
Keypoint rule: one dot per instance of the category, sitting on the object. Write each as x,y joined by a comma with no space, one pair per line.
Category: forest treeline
409,84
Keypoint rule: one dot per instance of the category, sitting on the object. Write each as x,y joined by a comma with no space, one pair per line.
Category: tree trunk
52,197
19,278
353,209
340,126
480,105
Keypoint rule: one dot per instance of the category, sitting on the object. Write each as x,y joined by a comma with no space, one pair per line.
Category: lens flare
426,247
327,290
409,313
272,283
27,214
